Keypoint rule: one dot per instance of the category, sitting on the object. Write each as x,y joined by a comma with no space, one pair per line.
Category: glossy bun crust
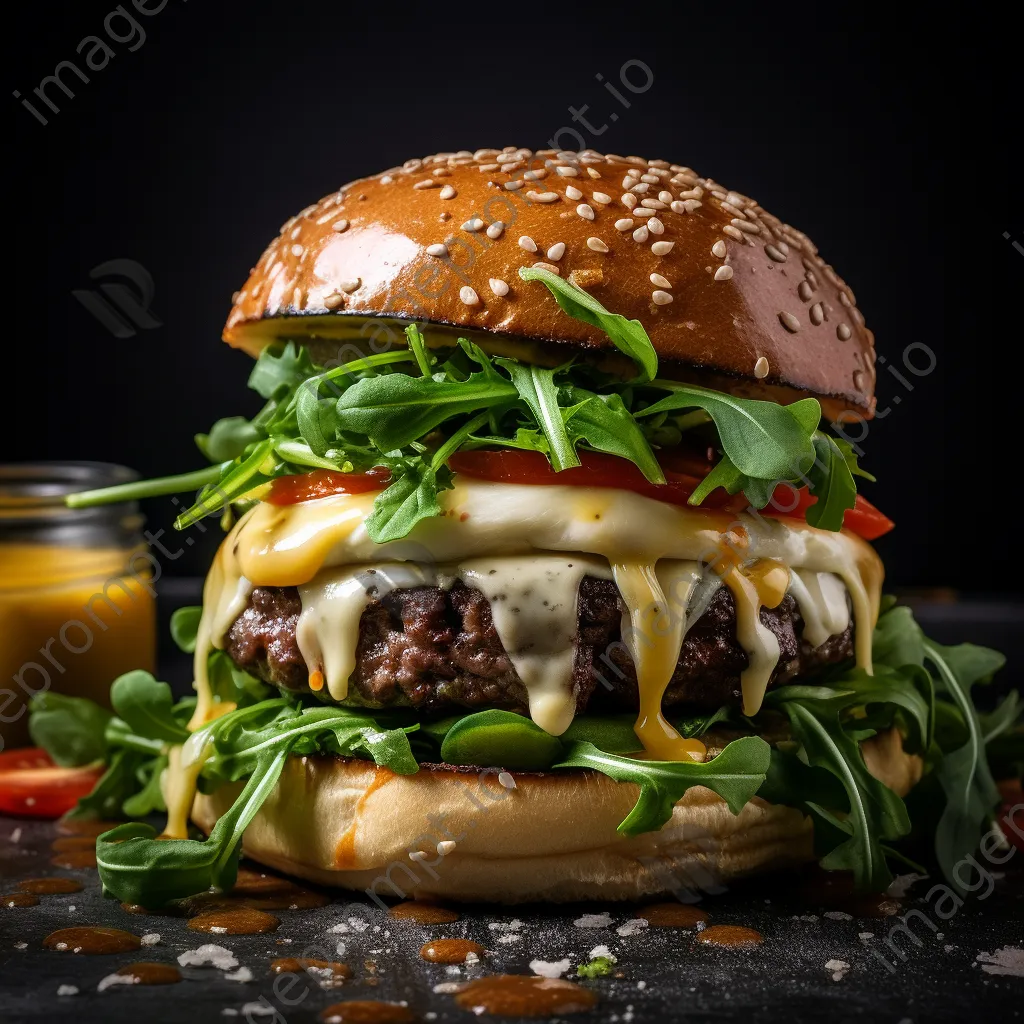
731,296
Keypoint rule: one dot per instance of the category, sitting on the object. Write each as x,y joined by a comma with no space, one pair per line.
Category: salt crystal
550,969
209,955
634,927
603,920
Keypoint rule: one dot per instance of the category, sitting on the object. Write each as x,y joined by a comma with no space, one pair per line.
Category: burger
546,574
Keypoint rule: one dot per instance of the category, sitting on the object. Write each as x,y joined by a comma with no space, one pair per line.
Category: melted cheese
650,548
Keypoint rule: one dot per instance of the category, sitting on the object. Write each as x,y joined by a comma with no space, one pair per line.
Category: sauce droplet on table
148,973
49,886
423,913
672,915
522,995
234,922
85,826
733,936
367,1011
450,951
75,859
14,900
92,941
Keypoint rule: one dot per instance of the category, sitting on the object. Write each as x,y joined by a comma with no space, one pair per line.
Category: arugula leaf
628,336
971,793
735,775
604,423
537,388
411,497
72,730
279,371
419,349
762,439
149,799
146,706
136,867
232,684
596,967
228,438
831,482
500,739
242,477
117,784
898,640
185,627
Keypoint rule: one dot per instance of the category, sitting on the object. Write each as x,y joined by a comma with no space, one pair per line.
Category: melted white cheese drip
821,598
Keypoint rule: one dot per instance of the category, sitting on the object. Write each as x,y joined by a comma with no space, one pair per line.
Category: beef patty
437,650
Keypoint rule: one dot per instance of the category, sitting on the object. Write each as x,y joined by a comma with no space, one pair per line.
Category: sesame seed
656,226
350,285
761,368
547,266
665,197
296,232
640,187
586,211
386,179
473,224
789,321
660,298
448,192
719,249
556,251
642,211
487,168
339,226
652,204
843,297
662,248
494,230
651,179
723,273
498,286
817,314
593,172
858,379
334,300
568,172
805,291
733,232
514,186
745,225
660,282
733,211
602,197
629,200
692,193
678,207
536,174
297,250
527,243
692,204
506,780
437,249
596,244
469,295
427,183
641,233
775,254
543,197
843,332
573,193
444,215
628,181
624,224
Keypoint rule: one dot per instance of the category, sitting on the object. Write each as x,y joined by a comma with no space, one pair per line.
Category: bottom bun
481,835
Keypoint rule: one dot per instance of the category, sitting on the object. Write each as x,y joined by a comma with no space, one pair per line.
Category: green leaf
70,729
500,739
410,498
850,458
280,370
537,388
136,867
971,793
147,707
117,784
831,483
628,336
239,479
1003,718
735,775
419,349
614,734
394,409
185,627
898,640
149,799
228,438
597,967
604,423
232,684
762,439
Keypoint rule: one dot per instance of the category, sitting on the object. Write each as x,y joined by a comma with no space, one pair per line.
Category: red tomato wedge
31,785
290,490
683,473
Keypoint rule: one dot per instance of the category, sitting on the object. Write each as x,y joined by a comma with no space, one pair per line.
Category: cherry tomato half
31,785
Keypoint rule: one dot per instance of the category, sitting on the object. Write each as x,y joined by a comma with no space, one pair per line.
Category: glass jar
77,602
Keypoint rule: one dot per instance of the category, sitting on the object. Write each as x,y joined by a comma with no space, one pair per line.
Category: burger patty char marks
437,650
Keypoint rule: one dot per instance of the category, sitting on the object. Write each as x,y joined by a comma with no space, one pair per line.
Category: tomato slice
290,490
683,472
31,785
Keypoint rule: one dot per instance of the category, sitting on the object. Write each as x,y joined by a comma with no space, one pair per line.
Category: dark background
888,143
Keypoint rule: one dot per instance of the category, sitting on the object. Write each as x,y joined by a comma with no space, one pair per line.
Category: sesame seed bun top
731,296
